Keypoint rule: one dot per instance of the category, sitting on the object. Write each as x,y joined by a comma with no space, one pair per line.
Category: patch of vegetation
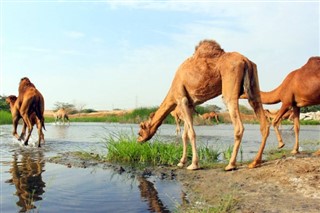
123,148
227,203
277,154
5,117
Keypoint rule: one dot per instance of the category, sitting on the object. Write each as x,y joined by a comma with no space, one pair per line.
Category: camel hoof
254,164
230,168
193,167
281,145
294,152
180,165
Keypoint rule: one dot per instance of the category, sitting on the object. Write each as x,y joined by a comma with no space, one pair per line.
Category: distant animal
210,115
209,73
11,100
29,101
61,115
300,88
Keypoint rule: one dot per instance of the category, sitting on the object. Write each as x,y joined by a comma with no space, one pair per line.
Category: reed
123,148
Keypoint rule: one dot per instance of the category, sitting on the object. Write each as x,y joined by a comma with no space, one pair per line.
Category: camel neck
271,97
165,108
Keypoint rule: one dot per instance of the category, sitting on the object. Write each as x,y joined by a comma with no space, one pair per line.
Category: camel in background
209,73
210,115
300,88
29,101
61,115
11,100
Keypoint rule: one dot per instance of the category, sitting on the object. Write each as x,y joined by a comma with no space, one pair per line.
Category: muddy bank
289,184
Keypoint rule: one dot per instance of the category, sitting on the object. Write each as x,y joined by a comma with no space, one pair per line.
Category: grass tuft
124,148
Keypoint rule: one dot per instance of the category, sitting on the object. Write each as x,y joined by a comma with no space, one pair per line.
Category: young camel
61,114
210,115
209,73
29,101
12,101
300,88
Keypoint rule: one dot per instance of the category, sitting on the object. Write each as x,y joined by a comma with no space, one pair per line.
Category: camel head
11,100
145,132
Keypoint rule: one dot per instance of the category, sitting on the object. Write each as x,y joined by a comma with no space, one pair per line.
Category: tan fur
210,115
61,114
300,88
11,100
209,73
29,101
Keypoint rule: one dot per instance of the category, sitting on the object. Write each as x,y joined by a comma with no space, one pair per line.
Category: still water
29,183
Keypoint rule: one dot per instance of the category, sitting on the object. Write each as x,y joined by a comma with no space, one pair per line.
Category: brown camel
29,101
272,114
177,115
210,115
11,100
300,88
61,115
209,73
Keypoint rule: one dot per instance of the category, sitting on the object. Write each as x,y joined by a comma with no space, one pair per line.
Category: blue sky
124,54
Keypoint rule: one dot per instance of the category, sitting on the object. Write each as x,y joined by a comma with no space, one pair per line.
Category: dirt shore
289,184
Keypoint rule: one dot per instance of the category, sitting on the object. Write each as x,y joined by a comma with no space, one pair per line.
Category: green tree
3,104
245,110
313,108
70,108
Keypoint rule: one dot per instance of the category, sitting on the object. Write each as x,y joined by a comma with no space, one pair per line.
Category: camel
29,101
11,100
272,114
210,115
300,88
177,115
207,74
61,115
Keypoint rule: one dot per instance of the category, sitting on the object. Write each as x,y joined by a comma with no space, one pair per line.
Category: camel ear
142,125
151,115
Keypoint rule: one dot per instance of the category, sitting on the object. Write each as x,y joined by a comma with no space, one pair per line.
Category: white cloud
74,34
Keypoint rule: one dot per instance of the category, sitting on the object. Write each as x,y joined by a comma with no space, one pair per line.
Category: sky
108,55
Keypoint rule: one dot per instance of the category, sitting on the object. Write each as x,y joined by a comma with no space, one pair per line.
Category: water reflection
150,194
26,170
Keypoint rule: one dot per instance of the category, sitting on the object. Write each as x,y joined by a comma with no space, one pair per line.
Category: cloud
74,34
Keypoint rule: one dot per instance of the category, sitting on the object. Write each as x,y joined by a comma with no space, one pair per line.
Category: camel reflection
26,176
150,194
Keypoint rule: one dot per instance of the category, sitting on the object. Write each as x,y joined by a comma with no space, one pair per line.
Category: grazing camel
11,100
209,73
61,115
210,115
29,101
177,115
300,88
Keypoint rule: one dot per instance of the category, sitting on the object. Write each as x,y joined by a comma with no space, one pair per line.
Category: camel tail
251,82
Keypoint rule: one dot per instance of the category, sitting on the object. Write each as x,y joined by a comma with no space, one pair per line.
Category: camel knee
238,132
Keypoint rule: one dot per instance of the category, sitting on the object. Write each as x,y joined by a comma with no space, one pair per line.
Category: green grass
123,148
5,117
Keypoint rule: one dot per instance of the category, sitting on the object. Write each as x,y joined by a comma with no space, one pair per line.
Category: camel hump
208,49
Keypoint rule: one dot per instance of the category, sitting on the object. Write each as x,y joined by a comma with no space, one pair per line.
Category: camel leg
264,129
276,122
233,108
15,121
183,160
40,133
23,131
187,114
296,113
30,127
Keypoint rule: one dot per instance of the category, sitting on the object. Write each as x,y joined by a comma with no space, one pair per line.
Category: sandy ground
289,184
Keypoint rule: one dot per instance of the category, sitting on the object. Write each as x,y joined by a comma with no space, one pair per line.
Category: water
28,182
